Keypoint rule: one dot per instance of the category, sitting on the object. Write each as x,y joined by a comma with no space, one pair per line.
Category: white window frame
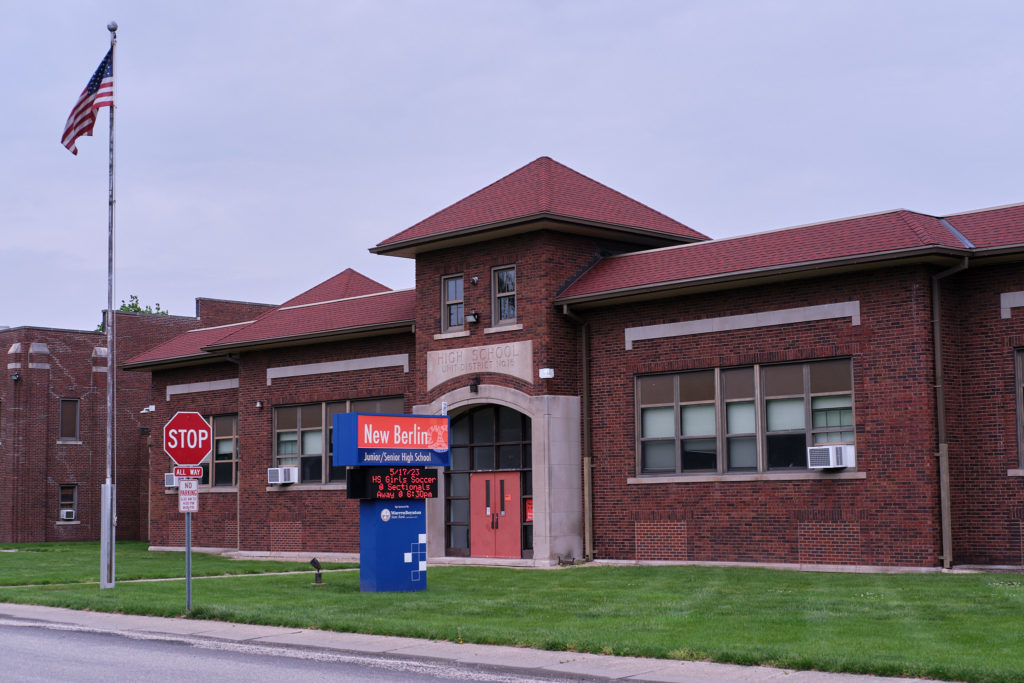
446,303
496,298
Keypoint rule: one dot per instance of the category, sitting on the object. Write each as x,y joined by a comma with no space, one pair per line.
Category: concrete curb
539,662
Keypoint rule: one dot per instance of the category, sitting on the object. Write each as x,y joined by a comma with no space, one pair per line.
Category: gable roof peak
346,284
541,188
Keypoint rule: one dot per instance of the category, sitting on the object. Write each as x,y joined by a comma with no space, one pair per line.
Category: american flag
98,93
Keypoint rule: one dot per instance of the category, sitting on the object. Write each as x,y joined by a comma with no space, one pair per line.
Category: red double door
495,520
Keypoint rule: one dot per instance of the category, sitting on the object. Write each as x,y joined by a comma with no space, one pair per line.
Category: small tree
133,306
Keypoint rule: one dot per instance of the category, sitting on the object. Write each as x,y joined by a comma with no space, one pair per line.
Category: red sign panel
188,438
189,472
400,431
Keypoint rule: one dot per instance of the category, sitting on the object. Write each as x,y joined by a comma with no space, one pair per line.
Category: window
68,502
225,451
452,305
504,302
304,435
749,419
1019,387
68,419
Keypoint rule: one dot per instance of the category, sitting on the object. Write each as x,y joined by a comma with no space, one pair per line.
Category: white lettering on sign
188,495
376,436
514,358
187,438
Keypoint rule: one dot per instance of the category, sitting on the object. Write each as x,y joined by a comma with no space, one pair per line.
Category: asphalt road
34,652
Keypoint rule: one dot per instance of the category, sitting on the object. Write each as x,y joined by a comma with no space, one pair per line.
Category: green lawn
963,627
44,563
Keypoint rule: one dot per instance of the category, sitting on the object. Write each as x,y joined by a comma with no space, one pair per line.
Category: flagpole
109,496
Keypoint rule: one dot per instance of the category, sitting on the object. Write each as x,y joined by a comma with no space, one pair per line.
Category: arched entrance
489,486
550,448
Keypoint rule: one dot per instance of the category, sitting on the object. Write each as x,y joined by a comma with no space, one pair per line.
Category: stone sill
66,523
502,328
752,476
68,442
451,335
307,487
1015,473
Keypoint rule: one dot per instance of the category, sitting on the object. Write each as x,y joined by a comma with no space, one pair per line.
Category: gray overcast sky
264,146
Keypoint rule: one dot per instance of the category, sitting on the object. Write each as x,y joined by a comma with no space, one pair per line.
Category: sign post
188,440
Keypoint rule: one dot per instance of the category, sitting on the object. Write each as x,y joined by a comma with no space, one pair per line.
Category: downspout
588,459
940,416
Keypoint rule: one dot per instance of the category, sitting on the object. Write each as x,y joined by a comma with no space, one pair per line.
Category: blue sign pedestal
392,546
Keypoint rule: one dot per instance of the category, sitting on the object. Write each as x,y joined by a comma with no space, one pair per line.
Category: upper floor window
748,419
304,435
504,298
69,419
452,305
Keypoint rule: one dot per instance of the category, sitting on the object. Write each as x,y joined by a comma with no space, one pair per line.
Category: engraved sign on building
514,358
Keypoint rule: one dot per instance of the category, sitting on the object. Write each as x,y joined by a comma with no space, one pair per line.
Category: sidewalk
513,659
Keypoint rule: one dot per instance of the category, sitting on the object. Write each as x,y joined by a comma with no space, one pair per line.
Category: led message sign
392,440
392,483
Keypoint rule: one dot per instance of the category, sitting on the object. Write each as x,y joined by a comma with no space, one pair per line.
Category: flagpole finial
112,26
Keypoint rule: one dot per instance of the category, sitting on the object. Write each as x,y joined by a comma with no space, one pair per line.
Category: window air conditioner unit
826,457
282,475
170,481
67,515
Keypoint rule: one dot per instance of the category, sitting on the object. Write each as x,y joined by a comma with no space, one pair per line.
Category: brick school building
623,387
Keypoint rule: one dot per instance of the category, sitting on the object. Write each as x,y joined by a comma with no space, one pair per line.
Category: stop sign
188,438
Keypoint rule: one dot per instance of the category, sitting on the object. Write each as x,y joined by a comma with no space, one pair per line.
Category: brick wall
255,516
69,364
887,518
981,414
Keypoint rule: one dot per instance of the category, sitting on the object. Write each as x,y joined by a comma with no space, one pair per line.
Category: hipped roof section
887,236
348,305
543,189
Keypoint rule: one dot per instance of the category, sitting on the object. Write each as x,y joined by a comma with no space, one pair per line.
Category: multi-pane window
452,304
68,419
303,435
68,502
504,288
1019,390
224,458
746,419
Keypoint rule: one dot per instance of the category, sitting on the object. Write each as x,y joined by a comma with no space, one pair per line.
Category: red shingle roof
999,227
861,236
543,187
187,345
324,318
347,283
349,301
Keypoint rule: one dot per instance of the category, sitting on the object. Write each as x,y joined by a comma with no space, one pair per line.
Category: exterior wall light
15,377
472,317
